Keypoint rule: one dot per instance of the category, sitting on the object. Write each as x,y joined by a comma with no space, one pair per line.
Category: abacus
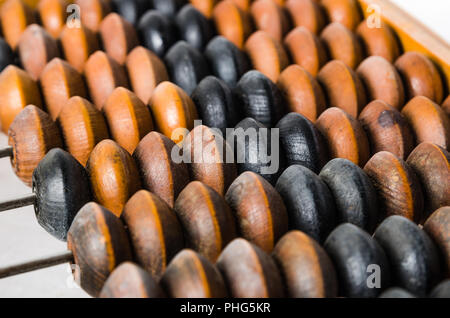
101,116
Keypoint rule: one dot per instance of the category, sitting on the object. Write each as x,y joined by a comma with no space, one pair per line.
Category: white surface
21,238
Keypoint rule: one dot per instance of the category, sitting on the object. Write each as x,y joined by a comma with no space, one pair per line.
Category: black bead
130,10
354,252
6,55
354,194
442,290
246,152
186,66
62,187
167,7
395,292
226,60
215,104
413,257
302,142
157,32
194,27
260,98
309,202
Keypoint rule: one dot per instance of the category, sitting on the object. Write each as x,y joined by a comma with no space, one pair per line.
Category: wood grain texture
128,118
387,129
82,126
15,16
118,37
92,12
159,173
53,15
207,221
59,82
145,71
268,16
17,90
249,272
154,230
103,75
99,243
190,275
32,134
399,190
258,209
437,227
130,281
306,13
306,269
306,49
114,176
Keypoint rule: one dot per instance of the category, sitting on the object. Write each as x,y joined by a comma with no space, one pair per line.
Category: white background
21,238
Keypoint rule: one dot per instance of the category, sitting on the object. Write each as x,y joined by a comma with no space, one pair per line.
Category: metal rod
41,263
26,200
6,152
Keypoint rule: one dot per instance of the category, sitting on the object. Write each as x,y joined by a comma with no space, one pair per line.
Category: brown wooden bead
344,135
244,5
302,92
15,16
78,44
346,12
36,48
268,16
382,81
387,129
53,15
207,153
190,275
446,106
119,37
266,54
145,71
306,13
259,210
59,82
128,118
17,90
232,23
399,190
154,230
172,108
343,87
379,41
99,244
114,176
342,44
31,135
249,272
206,7
431,165
159,173
420,76
82,126
305,266
206,218
306,50
92,12
438,228
103,75
428,121
130,281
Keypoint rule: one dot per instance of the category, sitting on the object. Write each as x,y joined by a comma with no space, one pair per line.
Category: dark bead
260,98
354,252
442,290
247,151
302,142
194,27
395,292
157,32
413,257
186,66
226,60
6,55
215,104
61,185
354,194
309,202
167,7
130,10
